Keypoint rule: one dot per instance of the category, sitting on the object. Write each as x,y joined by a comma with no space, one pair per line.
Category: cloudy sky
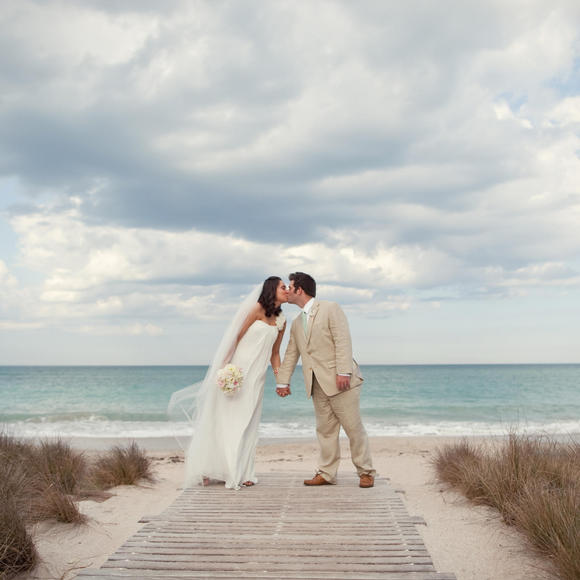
420,159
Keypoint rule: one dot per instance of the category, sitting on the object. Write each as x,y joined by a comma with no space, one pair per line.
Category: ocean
130,401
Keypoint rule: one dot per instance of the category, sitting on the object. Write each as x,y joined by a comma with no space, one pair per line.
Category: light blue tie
305,321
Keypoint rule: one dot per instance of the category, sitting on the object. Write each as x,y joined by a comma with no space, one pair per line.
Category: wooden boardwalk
277,529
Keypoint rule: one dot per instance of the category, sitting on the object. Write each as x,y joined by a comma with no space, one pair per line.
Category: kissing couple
225,408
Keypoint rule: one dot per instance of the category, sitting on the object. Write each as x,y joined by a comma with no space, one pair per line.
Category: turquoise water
397,400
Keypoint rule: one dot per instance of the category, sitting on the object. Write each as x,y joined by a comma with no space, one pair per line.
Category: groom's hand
343,382
283,391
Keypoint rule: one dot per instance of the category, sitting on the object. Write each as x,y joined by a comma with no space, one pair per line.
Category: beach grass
44,481
533,482
17,551
60,465
121,466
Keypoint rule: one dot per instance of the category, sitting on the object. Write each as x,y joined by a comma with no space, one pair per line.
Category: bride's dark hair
268,296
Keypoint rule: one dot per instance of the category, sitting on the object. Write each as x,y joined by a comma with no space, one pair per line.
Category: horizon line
2,365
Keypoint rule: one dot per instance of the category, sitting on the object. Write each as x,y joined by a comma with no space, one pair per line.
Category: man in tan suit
320,335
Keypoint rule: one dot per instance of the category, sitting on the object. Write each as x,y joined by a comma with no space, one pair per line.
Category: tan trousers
332,413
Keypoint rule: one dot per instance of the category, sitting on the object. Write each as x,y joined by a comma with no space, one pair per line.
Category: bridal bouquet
230,379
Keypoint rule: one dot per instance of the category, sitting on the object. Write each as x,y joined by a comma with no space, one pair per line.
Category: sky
419,159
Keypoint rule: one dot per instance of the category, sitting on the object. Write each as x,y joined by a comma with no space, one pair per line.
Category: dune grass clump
58,472
17,551
13,450
459,465
52,503
61,465
122,466
16,485
534,483
44,481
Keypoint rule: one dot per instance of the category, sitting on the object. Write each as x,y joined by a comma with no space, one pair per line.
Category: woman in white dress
223,446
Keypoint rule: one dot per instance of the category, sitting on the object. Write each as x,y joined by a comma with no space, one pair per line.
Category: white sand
470,541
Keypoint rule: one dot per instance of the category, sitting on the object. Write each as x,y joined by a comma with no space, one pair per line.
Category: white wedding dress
223,445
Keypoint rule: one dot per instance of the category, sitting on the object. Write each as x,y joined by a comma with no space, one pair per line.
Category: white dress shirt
308,306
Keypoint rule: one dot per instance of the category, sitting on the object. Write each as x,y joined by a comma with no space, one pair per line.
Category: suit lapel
298,330
311,318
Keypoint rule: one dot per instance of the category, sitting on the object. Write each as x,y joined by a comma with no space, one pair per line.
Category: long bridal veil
191,401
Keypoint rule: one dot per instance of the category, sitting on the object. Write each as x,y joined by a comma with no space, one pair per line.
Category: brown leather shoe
366,480
317,480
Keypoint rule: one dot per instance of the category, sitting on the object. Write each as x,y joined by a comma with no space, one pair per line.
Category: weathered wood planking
277,529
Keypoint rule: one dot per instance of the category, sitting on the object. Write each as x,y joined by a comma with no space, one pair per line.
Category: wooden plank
100,574
192,548
209,567
188,533
311,536
398,556
270,561
258,516
285,539
322,527
355,543
312,527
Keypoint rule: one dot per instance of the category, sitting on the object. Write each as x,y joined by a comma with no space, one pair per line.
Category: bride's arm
275,358
250,319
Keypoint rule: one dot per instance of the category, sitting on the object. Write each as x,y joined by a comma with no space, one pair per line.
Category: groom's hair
304,281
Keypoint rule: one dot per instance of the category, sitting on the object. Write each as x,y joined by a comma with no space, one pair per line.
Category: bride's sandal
205,481
248,483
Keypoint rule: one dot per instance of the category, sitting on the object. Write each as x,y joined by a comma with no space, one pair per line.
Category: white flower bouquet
230,379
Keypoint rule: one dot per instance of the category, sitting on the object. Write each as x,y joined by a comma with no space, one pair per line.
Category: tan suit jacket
326,349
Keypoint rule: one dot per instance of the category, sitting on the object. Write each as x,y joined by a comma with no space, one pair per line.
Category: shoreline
453,527
165,444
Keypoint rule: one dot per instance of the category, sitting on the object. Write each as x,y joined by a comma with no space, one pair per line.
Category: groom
320,335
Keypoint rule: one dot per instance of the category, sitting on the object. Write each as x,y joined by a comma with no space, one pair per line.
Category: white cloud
7,280
566,112
547,274
11,325
101,272
136,329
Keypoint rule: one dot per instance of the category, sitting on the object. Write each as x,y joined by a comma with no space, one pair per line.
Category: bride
225,435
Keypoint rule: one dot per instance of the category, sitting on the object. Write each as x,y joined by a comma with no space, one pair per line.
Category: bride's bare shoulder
253,315
257,311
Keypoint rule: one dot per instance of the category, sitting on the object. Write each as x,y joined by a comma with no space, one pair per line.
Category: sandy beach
470,541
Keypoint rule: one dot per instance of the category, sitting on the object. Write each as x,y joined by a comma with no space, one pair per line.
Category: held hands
281,391
343,382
